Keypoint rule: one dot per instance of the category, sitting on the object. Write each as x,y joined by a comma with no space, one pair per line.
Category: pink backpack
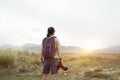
49,49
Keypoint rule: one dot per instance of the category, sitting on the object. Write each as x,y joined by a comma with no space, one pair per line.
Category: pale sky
77,22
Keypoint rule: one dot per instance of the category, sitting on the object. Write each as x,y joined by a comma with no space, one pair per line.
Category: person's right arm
58,50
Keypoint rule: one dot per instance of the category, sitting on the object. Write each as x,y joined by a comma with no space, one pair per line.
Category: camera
60,65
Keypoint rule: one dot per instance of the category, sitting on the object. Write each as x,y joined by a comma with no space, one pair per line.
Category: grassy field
22,65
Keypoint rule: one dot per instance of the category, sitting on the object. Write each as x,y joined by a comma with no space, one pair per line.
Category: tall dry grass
7,58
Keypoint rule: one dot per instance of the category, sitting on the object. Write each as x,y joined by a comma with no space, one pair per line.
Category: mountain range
37,48
69,49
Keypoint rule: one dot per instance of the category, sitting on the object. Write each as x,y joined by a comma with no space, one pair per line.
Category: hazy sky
77,22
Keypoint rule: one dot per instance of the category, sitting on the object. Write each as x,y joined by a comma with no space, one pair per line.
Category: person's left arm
41,54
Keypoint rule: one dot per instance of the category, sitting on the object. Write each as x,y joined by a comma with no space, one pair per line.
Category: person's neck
51,35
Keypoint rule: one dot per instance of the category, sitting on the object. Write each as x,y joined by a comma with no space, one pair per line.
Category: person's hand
59,60
41,60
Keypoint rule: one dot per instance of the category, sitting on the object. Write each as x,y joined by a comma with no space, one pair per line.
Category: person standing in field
50,55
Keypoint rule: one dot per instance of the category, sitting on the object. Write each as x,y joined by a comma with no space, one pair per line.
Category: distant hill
5,46
69,49
37,48
112,49
31,47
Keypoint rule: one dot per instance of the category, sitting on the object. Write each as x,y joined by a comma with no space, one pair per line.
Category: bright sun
92,45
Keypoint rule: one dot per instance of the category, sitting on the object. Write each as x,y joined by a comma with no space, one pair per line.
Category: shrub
7,58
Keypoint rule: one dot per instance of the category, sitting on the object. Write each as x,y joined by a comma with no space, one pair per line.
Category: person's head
50,32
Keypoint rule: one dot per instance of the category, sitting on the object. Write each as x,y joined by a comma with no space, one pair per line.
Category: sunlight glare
90,46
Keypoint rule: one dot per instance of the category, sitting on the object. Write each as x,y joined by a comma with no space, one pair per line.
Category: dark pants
50,66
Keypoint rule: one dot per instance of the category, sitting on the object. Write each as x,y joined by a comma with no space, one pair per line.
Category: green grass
23,65
97,75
